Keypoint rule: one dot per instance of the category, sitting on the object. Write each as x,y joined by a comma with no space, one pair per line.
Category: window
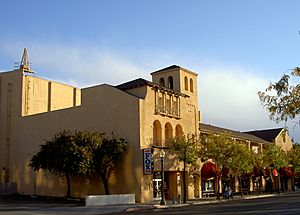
175,106
191,85
186,84
255,149
178,131
168,134
168,104
170,82
162,82
156,133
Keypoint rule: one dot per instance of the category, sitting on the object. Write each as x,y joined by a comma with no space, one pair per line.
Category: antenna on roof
24,64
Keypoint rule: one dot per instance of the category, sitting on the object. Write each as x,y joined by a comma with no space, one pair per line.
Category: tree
282,99
275,158
240,162
293,157
107,156
187,151
217,148
82,153
62,156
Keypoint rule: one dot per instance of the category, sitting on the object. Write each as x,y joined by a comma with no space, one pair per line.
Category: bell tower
177,79
179,85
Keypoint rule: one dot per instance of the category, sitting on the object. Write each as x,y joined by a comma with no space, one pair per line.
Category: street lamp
162,155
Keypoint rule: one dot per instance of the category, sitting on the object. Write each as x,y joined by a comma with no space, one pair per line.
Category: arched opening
191,85
162,82
157,133
186,84
178,131
208,173
168,134
170,82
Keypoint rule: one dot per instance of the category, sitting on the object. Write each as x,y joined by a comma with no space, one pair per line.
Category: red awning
208,170
287,171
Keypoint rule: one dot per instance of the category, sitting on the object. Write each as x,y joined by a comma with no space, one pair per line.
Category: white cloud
228,98
85,65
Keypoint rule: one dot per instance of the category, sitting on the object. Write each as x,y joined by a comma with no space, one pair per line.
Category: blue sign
147,161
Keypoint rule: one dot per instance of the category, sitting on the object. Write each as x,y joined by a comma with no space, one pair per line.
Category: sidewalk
213,200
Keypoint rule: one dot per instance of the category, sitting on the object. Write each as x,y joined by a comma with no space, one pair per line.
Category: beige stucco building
145,113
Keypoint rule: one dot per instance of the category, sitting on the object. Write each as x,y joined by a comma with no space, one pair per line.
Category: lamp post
162,155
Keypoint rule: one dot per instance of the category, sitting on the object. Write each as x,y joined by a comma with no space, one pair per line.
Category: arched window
170,82
191,85
178,131
186,84
157,133
162,82
168,134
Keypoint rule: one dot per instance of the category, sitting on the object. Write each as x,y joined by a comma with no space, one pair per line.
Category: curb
215,201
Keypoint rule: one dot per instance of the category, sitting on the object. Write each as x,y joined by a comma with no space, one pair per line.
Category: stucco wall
40,95
284,141
104,108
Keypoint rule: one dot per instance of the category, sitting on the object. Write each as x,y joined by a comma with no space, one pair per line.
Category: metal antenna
24,64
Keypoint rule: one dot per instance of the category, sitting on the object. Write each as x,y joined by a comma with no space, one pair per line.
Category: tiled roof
142,82
173,67
268,134
167,68
134,84
235,134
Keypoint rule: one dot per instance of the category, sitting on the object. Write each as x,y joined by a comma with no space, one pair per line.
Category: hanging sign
147,161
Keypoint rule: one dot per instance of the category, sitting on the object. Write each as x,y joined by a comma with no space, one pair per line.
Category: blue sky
236,47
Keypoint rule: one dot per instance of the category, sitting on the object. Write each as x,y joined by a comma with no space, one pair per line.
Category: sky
236,46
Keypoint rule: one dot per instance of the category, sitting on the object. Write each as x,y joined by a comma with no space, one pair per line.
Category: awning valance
208,170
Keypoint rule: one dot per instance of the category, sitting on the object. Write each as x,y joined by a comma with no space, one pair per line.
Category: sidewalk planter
116,199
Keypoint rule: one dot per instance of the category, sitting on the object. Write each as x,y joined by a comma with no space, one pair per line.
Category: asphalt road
288,203
282,204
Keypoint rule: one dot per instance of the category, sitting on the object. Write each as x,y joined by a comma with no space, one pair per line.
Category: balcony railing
168,111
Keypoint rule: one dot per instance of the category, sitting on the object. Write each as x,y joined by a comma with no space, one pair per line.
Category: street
282,204
287,203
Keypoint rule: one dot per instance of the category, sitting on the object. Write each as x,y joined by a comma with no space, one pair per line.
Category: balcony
167,111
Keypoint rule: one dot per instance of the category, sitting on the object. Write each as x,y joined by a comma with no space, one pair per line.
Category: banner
148,169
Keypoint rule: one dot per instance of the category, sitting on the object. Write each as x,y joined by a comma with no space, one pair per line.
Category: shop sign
148,161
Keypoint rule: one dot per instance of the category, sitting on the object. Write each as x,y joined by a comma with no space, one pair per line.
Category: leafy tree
294,157
240,162
61,156
81,153
275,158
107,156
282,99
187,151
217,148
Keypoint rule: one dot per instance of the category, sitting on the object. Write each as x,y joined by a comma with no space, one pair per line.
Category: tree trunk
240,185
184,182
105,184
218,186
68,185
293,183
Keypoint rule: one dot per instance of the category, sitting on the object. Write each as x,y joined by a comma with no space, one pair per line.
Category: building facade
278,136
147,114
